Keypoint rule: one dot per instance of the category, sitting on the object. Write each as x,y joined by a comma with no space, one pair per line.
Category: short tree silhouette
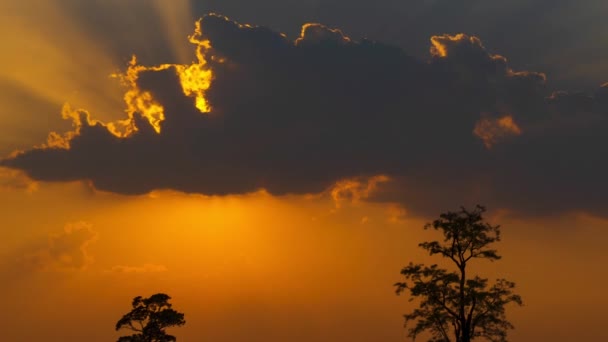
149,318
453,304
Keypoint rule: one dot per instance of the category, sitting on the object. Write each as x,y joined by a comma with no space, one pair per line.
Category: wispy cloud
64,251
145,268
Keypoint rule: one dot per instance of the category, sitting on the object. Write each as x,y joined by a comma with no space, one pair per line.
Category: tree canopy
455,306
149,318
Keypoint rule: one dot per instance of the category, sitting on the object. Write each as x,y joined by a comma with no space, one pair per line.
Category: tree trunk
464,334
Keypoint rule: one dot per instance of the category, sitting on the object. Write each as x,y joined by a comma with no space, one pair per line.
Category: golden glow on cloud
508,124
492,131
439,47
195,79
320,32
523,74
441,44
355,190
78,118
62,64
137,100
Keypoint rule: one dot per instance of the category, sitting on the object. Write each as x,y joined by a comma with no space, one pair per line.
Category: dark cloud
461,127
558,37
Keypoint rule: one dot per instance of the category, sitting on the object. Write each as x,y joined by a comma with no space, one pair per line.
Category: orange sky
251,267
258,268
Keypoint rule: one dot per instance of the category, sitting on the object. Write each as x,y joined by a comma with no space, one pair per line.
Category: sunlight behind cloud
62,64
58,63
176,17
195,79
275,187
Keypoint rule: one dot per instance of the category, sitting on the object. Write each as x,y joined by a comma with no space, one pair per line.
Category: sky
270,165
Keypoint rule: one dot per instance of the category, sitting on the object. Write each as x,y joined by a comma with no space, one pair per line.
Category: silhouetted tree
149,319
452,303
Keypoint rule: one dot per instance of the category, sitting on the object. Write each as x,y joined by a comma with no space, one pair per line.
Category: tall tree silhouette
149,318
453,305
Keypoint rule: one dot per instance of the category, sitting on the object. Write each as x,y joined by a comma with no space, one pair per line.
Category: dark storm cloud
298,116
558,37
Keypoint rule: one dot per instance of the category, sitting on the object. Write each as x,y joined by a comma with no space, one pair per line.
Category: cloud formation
491,131
11,179
65,251
258,110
